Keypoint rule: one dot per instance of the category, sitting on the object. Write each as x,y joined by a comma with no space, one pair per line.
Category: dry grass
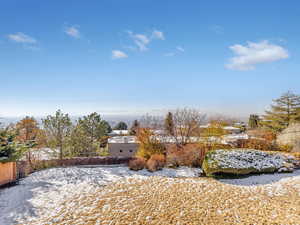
178,201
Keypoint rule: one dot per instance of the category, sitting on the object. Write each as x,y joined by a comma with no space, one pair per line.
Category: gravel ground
137,198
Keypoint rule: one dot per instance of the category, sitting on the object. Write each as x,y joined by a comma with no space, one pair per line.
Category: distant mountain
112,119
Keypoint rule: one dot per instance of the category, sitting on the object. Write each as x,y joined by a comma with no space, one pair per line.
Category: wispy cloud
143,40
255,53
177,50
117,54
140,40
217,29
21,38
156,34
72,31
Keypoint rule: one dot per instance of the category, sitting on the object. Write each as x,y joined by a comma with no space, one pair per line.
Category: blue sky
137,56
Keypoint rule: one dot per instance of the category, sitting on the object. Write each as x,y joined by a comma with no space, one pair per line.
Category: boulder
290,136
245,161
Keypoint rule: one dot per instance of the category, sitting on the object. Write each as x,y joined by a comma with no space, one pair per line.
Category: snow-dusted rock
245,161
286,168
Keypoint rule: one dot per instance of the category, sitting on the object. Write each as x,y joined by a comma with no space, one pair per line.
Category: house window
121,150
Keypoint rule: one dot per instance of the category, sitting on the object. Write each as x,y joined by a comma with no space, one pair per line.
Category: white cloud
179,48
21,38
156,34
255,53
72,31
117,54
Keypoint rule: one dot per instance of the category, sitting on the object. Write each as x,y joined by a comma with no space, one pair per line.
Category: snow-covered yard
85,194
44,189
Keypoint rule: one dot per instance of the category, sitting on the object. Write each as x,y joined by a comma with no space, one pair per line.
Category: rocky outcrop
246,161
290,136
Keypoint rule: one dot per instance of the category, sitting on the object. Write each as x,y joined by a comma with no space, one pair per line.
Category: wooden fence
8,173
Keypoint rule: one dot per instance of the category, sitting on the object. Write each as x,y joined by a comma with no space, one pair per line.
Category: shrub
191,155
137,164
262,133
156,162
37,165
262,144
148,145
297,155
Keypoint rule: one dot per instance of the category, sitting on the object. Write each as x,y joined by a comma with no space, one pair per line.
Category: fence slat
7,172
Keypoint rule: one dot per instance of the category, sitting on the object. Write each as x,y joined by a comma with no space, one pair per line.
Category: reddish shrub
137,164
191,154
156,162
188,155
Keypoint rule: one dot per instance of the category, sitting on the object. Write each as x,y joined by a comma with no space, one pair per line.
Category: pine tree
134,128
121,126
57,129
253,121
169,124
284,111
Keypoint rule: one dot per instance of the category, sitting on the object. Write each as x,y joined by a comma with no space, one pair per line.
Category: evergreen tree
253,121
94,129
121,126
284,111
134,128
58,129
10,149
169,124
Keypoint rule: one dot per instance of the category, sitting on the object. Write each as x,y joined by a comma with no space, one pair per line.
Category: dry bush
261,133
297,155
37,165
262,144
148,145
156,162
137,164
191,155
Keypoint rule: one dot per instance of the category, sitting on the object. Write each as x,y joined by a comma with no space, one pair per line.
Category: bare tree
151,122
187,123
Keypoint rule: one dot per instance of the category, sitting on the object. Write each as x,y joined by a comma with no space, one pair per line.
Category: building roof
123,139
231,128
119,132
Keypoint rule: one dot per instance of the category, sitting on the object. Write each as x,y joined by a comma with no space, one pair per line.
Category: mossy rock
241,161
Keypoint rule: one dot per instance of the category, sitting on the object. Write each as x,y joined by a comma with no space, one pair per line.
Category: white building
118,132
122,146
